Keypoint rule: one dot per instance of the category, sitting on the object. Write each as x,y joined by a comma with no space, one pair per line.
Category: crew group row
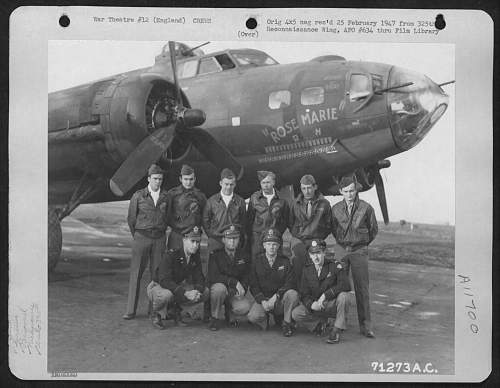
237,286
308,217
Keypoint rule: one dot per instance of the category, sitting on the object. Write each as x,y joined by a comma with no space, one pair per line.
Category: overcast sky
419,184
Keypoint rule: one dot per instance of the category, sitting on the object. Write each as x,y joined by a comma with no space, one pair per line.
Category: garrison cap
348,180
155,169
271,235
231,231
194,233
316,245
227,174
307,179
187,170
264,174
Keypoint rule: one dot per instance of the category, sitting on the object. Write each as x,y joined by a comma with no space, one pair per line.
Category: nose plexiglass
415,108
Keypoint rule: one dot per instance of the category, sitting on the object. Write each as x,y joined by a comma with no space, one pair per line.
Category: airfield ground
412,300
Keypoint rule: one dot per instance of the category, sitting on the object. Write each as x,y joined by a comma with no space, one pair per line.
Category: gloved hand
191,295
315,306
240,290
321,301
266,305
272,301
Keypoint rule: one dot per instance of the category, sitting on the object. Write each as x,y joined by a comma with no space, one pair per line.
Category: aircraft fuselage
326,118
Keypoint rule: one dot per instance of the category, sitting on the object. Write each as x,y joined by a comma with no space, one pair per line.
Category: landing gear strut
85,189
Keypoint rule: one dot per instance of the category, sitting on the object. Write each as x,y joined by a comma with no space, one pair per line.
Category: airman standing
223,209
310,218
186,203
265,210
354,228
147,220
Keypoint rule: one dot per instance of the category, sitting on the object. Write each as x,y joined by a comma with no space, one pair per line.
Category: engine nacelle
111,117
138,107
365,176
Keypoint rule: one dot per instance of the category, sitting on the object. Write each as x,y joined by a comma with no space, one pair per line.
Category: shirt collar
269,195
269,260
228,255
226,196
275,194
354,203
187,257
301,199
153,192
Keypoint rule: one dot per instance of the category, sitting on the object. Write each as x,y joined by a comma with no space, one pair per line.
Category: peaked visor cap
232,231
316,245
271,235
193,233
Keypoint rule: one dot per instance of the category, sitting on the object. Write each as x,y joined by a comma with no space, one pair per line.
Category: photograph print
235,207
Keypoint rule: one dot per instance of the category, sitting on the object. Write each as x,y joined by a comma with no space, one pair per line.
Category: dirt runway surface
412,314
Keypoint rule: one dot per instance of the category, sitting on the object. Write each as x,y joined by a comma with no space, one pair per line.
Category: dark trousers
357,262
144,250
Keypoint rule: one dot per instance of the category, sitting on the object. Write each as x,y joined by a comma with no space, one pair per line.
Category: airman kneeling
178,280
272,284
324,291
228,269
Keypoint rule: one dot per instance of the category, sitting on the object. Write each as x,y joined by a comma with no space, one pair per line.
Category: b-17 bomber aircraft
236,108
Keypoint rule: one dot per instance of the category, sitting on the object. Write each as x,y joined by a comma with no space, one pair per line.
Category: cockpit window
253,59
187,69
360,87
279,99
377,82
209,65
225,61
312,96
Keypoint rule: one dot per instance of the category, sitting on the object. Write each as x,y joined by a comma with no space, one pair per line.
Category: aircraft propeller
150,150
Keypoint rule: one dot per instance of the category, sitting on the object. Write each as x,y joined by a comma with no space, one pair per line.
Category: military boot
156,321
206,311
334,336
287,329
178,321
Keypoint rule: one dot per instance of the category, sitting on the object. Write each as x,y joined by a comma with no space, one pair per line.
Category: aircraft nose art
413,109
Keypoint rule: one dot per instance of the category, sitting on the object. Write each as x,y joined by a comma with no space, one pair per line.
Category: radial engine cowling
365,176
119,111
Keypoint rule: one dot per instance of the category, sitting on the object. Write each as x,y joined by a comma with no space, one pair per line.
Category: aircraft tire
54,239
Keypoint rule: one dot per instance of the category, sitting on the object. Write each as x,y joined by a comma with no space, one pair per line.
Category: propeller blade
379,184
214,151
173,62
134,168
